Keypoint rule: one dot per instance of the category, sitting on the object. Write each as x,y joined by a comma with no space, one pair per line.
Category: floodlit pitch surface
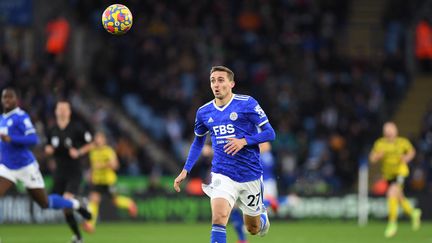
280,232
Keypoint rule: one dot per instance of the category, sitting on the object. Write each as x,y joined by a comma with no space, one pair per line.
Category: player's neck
223,101
6,111
62,123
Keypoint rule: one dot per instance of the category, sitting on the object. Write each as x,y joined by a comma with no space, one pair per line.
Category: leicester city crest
233,116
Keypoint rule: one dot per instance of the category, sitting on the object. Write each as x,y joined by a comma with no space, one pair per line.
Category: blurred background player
269,178
103,164
18,163
231,120
395,153
67,141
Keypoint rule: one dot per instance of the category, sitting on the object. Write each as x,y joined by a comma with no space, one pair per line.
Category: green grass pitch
280,232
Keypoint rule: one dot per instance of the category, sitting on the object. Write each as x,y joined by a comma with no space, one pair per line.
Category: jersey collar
225,106
10,113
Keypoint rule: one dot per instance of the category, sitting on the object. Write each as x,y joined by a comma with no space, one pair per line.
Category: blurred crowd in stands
327,107
422,173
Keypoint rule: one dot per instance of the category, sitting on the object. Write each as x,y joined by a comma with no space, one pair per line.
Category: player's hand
180,178
99,166
405,159
5,138
49,149
376,156
379,155
234,145
74,153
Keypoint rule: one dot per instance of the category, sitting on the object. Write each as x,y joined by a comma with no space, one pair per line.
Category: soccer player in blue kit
232,121
17,162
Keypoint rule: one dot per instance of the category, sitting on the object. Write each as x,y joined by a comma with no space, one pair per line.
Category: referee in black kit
67,141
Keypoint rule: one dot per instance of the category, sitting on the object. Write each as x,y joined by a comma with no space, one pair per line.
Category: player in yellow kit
104,162
395,153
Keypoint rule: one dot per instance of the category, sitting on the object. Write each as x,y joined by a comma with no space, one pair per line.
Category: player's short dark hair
223,69
13,89
63,100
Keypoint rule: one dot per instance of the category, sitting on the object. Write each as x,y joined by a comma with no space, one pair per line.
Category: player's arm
234,145
49,149
27,140
194,153
197,145
410,154
258,117
113,162
266,135
83,150
29,137
375,155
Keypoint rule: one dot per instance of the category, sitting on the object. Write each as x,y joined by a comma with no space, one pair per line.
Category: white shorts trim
29,175
246,195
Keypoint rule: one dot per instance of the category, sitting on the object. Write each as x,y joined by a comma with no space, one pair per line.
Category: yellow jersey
102,156
392,164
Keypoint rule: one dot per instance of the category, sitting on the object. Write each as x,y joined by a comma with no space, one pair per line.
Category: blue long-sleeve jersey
18,126
239,118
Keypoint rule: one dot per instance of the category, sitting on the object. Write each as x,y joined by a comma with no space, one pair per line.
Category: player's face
63,110
390,130
9,100
220,84
100,139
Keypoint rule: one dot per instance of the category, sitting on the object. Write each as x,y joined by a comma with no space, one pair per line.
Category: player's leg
35,185
123,202
393,193
405,204
72,188
41,198
253,224
254,212
94,202
7,179
5,184
71,220
413,213
223,194
238,223
68,185
257,224
53,201
271,195
221,209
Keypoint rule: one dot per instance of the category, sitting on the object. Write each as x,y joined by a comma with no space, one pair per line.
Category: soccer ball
117,19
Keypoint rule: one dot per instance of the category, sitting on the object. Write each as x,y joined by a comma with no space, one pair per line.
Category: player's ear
232,84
